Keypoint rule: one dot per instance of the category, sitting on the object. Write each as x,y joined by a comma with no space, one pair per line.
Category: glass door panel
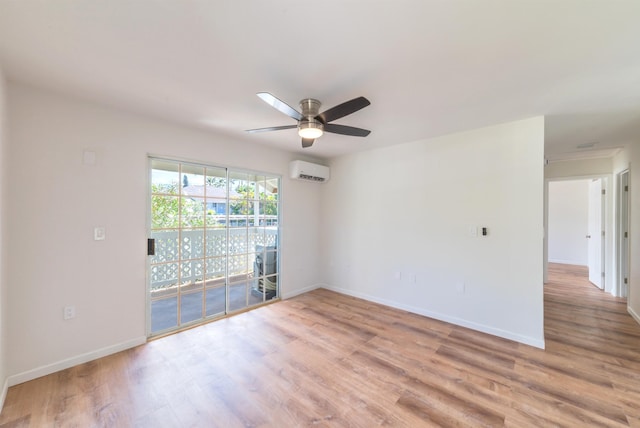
190,307
216,301
213,231
164,265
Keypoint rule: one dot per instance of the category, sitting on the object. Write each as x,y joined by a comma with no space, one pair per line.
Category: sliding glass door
213,242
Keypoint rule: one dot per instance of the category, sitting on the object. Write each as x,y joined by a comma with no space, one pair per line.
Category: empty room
354,213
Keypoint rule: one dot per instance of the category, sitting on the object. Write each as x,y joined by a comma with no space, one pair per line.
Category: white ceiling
429,67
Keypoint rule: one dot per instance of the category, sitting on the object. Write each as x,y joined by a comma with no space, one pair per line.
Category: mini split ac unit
300,170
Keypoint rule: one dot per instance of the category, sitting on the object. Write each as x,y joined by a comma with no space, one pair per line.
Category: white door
595,232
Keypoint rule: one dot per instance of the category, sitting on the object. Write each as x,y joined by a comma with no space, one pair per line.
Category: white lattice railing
201,251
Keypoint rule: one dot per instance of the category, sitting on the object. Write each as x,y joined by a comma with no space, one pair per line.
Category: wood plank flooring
324,359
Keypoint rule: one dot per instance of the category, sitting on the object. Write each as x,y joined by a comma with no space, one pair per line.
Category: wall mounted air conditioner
301,170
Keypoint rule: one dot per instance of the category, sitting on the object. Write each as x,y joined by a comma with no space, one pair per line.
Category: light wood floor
324,359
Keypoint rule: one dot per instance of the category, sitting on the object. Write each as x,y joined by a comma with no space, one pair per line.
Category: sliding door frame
251,281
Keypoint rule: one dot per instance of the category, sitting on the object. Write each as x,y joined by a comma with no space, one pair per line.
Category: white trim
302,291
438,316
622,244
567,262
73,361
3,395
633,314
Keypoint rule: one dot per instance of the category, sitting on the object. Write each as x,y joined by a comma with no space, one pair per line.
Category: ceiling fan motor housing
310,108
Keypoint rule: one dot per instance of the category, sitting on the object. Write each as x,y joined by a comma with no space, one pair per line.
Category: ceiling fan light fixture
310,123
310,129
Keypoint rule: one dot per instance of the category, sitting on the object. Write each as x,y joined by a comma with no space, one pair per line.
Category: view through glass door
214,242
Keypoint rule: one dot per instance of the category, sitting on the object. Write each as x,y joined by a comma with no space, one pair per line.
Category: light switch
98,233
69,312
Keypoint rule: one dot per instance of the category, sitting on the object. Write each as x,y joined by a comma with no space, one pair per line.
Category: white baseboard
441,317
567,262
99,353
300,291
633,314
73,361
3,395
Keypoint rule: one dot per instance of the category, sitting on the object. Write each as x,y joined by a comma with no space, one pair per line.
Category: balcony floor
164,312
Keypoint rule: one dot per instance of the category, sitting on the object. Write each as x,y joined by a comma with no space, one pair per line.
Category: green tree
166,209
245,206
216,181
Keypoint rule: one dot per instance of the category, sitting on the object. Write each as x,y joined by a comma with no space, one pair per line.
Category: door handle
151,247
588,236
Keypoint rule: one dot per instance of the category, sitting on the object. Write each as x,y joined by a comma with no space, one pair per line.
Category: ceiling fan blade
346,130
272,128
307,142
344,109
279,105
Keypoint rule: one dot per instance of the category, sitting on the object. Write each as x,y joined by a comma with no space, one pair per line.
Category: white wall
55,202
408,208
578,168
568,221
3,244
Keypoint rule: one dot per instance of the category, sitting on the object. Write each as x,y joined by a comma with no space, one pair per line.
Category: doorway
213,242
585,214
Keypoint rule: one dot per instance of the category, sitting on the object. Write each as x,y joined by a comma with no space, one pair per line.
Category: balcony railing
189,256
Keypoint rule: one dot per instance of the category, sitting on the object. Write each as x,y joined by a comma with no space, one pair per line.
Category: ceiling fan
311,123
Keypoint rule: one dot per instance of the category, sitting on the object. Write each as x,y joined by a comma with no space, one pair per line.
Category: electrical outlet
98,233
460,287
69,312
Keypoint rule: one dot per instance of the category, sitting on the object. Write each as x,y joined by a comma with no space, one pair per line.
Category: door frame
608,241
150,158
622,227
595,232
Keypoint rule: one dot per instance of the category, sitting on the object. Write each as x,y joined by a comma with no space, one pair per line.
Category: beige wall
55,202
397,222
